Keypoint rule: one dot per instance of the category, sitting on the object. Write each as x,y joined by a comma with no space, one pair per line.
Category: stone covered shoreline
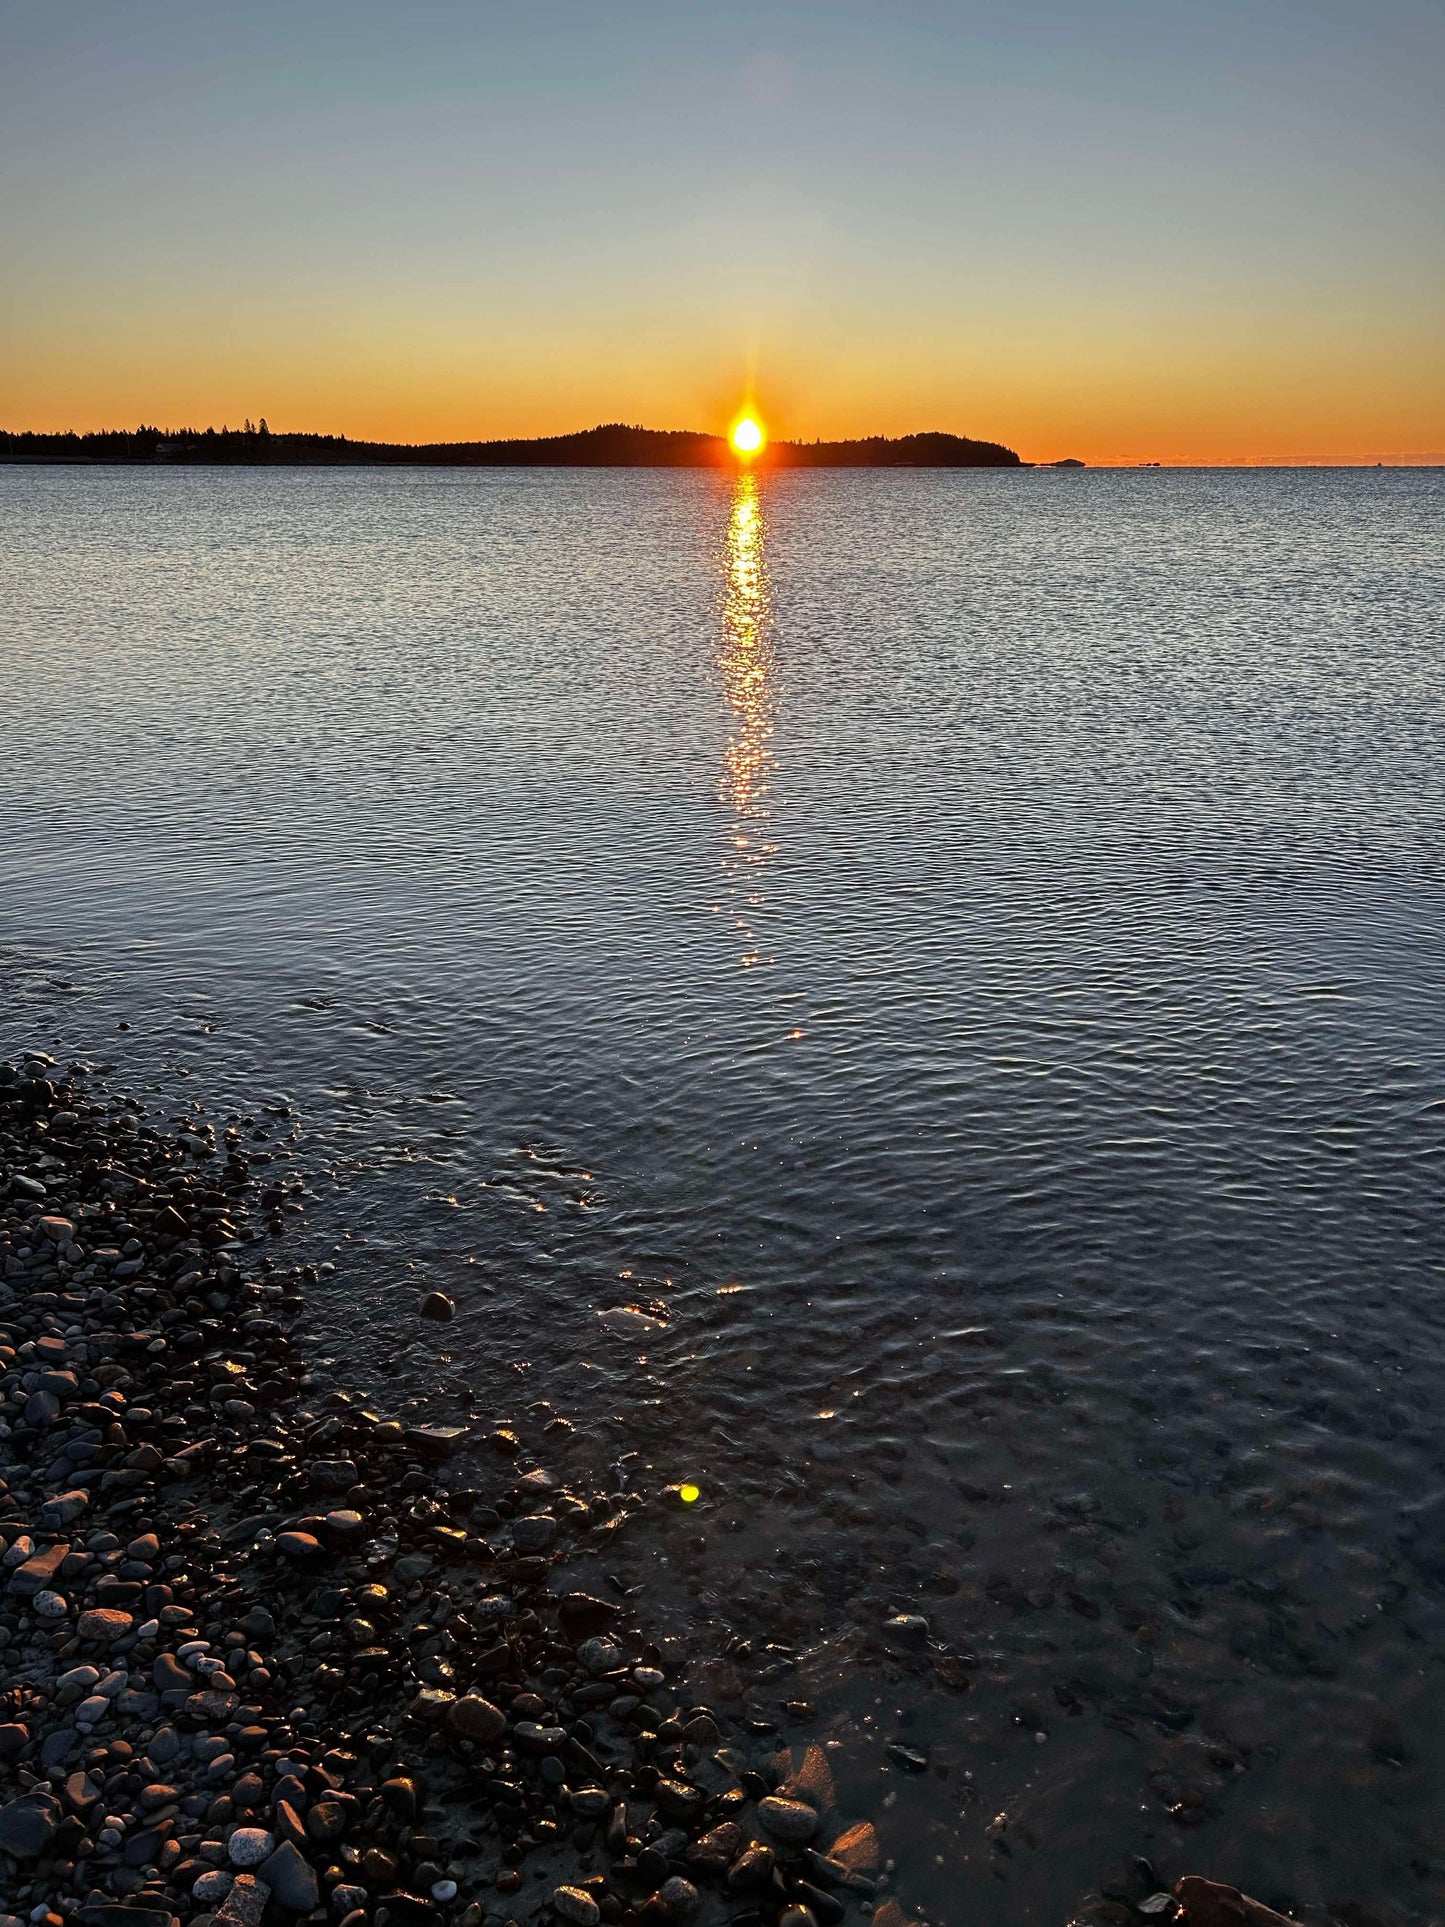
258,1662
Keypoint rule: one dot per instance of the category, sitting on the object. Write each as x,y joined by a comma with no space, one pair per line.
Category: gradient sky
1119,230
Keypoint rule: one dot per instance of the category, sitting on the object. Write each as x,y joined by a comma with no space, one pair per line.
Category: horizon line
260,430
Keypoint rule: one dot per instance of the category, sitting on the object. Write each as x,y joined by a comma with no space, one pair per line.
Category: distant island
613,445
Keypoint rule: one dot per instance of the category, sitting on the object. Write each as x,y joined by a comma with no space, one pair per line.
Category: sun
747,436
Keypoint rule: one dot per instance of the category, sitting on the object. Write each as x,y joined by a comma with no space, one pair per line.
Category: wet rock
27,1825
600,1655
301,1548
437,1305
906,1629
401,1797
680,1801
1209,1903
326,1821
752,1870
291,1879
678,1896
575,1904
715,1852
476,1719
535,1533
791,1822
581,1616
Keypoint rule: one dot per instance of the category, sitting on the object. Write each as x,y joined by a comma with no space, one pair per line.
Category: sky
1122,230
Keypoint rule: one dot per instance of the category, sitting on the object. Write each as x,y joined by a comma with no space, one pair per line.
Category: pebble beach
261,1663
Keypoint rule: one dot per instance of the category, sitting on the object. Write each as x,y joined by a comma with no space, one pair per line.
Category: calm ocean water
961,954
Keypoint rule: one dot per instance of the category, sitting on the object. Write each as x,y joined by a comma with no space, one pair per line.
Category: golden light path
746,663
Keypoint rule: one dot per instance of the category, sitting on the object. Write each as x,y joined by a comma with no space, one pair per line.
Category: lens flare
747,436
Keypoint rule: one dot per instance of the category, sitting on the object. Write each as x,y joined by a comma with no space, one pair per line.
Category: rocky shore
259,1663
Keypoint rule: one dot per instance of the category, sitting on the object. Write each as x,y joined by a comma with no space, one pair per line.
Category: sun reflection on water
746,662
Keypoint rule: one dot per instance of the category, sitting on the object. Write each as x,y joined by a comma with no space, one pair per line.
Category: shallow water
964,952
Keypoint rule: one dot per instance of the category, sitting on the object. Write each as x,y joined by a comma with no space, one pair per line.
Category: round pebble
476,1719
249,1846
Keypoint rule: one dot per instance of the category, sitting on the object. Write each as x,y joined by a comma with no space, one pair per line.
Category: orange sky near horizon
1161,236
1041,392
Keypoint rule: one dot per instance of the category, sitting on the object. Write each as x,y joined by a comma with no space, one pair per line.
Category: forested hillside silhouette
613,445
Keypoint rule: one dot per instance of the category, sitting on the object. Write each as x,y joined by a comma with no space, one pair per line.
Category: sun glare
747,436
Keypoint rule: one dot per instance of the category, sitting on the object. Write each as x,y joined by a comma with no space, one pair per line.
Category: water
963,952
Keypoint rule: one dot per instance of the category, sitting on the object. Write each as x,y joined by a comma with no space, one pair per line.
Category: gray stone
244,1904
249,1846
58,1747
600,1655
291,1879
27,1825
535,1534
34,1574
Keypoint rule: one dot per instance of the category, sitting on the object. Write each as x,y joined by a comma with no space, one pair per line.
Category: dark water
965,953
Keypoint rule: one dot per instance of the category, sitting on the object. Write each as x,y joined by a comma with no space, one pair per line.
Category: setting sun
747,436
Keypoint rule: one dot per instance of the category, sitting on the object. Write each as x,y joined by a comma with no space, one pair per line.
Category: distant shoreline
612,445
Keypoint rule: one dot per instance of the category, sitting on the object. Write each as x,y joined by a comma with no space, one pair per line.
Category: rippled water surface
962,953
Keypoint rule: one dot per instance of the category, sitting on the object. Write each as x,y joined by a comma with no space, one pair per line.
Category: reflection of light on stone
746,663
